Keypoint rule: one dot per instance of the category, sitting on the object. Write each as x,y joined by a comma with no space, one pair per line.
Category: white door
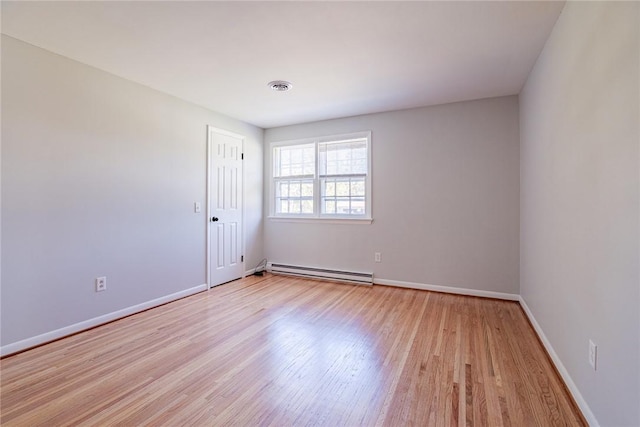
226,261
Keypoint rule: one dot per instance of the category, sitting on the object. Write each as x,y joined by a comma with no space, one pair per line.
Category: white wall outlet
196,207
593,355
377,257
101,284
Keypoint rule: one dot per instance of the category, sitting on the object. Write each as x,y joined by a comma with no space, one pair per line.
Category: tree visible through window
327,177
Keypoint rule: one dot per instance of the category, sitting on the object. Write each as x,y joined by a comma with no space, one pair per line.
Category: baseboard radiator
322,273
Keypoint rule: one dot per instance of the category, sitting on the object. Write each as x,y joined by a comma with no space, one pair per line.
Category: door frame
208,202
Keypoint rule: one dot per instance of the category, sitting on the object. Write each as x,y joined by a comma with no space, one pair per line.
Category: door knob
214,218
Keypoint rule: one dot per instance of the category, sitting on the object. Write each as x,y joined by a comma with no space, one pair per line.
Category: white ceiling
343,58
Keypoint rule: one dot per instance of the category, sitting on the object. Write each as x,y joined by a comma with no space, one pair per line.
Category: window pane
307,189
283,189
343,157
357,207
296,155
330,188
307,206
357,187
294,196
309,162
342,188
284,206
342,207
329,206
294,160
294,189
343,196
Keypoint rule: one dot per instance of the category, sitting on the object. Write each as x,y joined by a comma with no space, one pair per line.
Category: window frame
317,215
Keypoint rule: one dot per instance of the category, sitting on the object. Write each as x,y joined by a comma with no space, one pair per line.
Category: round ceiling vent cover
280,85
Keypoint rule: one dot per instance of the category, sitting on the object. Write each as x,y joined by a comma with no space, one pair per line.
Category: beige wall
445,199
579,123
99,177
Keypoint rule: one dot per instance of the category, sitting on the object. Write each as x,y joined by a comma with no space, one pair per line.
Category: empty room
368,213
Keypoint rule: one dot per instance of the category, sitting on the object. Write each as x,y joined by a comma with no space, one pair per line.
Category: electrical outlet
593,355
101,284
377,257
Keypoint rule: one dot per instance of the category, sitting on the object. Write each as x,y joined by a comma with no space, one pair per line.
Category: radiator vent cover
322,273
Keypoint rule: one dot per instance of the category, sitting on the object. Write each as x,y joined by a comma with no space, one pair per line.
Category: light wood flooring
284,351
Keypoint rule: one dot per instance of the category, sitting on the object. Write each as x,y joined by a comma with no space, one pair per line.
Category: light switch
196,207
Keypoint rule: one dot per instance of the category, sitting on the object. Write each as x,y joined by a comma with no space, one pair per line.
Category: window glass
328,177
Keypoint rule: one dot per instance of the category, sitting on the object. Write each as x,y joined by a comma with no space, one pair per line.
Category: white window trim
317,216
315,220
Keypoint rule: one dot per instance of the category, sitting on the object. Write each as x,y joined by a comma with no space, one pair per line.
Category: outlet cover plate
593,355
101,284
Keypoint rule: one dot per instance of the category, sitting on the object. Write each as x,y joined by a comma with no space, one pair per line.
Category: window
294,173
326,177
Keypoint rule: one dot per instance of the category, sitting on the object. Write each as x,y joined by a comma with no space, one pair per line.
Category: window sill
354,221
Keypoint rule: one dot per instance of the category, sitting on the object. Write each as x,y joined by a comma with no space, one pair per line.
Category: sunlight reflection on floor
329,362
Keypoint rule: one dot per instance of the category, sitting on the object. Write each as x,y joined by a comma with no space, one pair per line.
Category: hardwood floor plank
279,351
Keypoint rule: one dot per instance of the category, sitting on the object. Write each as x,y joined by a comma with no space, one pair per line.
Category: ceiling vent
280,85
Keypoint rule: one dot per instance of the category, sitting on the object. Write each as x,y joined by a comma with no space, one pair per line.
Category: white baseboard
573,389
447,289
249,272
96,321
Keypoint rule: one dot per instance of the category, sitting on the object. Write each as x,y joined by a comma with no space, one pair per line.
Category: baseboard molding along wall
96,321
447,289
573,389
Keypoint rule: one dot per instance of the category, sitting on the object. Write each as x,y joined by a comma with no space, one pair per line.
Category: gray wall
580,201
445,198
99,177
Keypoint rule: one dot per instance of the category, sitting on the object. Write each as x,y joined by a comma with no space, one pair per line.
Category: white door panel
225,207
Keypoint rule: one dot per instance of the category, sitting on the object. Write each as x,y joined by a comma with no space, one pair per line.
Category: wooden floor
286,351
